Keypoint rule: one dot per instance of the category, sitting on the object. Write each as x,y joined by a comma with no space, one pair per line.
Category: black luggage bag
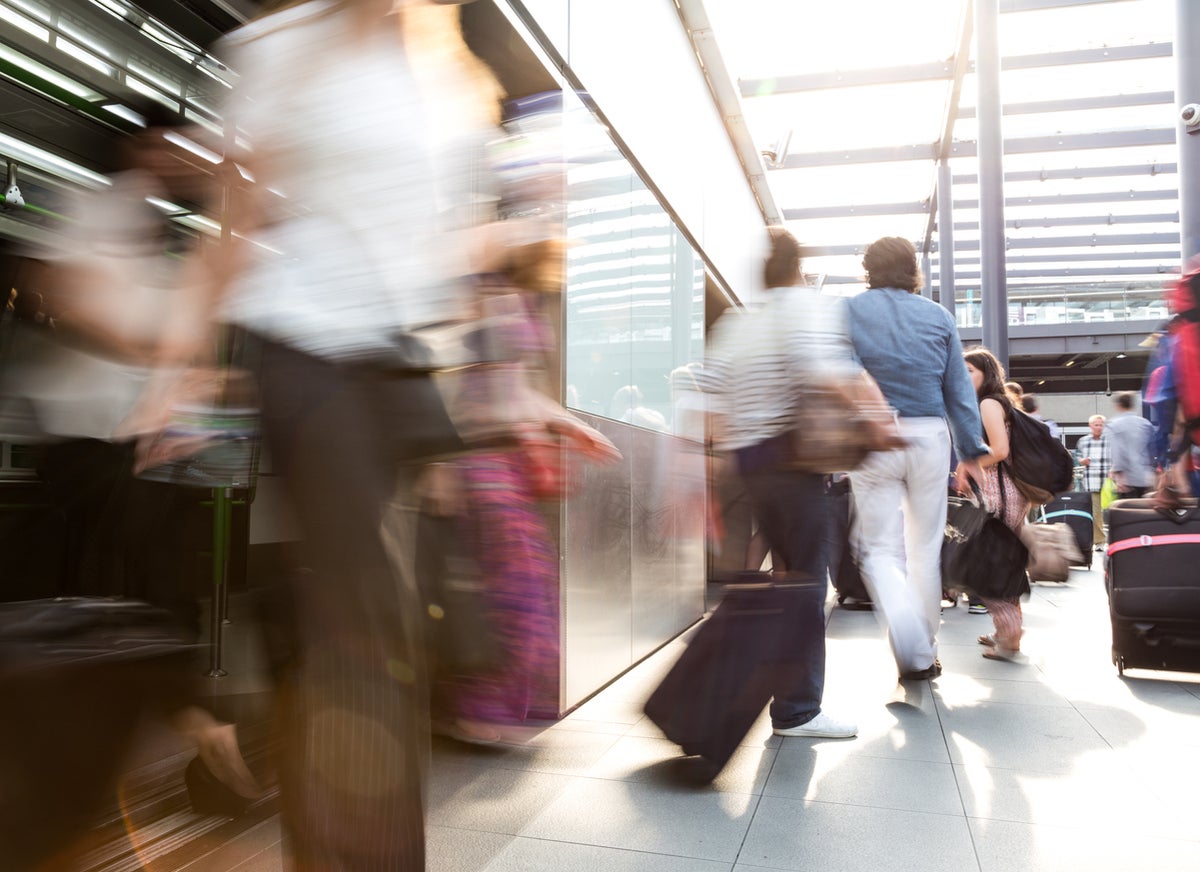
843,566
1154,586
76,675
1075,510
711,697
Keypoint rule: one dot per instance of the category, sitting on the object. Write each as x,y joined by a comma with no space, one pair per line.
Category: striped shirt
1096,451
760,360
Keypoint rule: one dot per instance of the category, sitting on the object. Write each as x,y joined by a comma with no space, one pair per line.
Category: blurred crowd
372,325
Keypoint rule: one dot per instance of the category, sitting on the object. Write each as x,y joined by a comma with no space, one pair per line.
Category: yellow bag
1108,494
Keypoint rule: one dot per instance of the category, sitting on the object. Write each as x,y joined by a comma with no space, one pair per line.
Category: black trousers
352,684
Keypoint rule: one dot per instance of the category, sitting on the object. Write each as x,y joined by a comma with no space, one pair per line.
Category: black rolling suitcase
1154,585
843,566
711,697
1075,510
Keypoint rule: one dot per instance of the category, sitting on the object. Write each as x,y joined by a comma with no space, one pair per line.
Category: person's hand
1086,461
968,471
592,444
588,441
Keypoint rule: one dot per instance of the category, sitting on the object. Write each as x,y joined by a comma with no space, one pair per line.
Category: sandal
1001,653
988,639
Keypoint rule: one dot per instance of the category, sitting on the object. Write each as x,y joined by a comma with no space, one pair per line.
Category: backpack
1040,465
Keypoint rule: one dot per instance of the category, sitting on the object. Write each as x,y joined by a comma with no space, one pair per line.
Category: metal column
1187,90
945,228
926,277
991,180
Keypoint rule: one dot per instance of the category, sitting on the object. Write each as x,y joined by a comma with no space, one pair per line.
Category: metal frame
1023,145
942,70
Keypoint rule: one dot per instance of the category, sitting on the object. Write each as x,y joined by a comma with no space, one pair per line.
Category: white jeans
900,501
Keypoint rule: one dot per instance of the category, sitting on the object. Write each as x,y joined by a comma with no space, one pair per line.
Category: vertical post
1187,90
926,276
220,547
993,285
945,228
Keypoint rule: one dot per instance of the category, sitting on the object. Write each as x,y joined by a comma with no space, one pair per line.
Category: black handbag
459,635
980,554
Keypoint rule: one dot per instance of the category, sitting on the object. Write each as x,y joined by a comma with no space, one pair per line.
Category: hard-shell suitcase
1153,585
1075,510
716,690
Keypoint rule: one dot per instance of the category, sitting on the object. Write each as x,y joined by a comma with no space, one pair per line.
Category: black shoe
209,795
921,674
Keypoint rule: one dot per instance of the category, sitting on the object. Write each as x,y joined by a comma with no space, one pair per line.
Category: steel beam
913,208
1077,221
990,149
1076,199
1081,272
940,195
1025,145
1092,241
1151,169
1030,5
1090,257
724,93
766,87
945,237
1080,104
1187,32
1088,56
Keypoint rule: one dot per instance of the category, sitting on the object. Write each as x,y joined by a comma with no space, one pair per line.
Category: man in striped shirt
1093,455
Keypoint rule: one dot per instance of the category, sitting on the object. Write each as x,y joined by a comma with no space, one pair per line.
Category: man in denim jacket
910,346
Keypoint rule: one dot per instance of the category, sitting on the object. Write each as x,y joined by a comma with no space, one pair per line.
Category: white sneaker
821,727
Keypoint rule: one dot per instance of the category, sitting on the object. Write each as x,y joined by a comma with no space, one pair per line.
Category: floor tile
913,785
638,758
1018,847
449,849
492,800
1035,738
790,834
1102,794
541,855
700,823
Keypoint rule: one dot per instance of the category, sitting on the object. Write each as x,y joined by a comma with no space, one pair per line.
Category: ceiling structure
852,105
847,108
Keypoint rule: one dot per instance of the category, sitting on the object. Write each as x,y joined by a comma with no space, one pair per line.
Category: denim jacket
910,346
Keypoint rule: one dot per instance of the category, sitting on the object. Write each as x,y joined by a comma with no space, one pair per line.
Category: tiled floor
1051,764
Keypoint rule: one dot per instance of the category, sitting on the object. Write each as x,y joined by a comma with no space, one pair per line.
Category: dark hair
782,269
1029,402
1124,400
993,375
891,262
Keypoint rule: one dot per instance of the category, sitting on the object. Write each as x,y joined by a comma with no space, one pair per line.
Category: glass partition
634,301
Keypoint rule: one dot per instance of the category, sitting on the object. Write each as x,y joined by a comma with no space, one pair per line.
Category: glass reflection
635,289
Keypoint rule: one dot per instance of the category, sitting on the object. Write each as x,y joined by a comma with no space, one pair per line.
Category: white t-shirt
354,249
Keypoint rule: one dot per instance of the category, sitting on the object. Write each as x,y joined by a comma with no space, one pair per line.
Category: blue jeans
792,511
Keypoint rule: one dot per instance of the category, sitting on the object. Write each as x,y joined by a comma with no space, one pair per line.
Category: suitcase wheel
1119,662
